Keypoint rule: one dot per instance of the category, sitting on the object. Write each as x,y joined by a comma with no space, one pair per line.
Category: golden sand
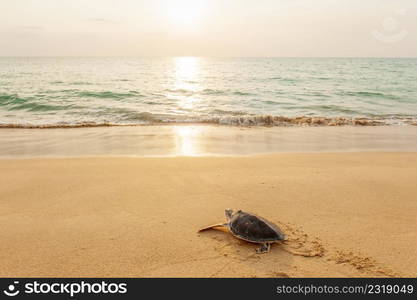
346,214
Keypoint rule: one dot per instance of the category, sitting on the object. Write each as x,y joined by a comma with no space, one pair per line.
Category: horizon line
196,56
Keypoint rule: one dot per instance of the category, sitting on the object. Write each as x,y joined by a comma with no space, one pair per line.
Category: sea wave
10,99
108,94
148,119
38,107
377,95
14,102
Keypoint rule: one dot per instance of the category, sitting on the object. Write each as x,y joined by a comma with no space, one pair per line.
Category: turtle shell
254,229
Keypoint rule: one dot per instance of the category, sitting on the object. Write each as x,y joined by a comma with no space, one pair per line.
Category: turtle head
229,213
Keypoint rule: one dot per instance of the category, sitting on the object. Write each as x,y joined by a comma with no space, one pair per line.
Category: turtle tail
214,226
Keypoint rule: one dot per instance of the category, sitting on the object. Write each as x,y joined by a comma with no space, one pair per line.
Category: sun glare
187,140
185,12
186,70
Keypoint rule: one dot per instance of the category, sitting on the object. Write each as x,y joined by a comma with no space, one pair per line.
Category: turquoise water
235,91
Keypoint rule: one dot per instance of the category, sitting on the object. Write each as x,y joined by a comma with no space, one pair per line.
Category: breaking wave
148,119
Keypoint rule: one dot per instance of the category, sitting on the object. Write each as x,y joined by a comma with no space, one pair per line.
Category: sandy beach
346,214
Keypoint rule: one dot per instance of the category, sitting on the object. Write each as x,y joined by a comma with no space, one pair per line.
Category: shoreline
202,140
138,217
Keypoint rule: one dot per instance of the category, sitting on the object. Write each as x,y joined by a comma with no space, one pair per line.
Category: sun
185,12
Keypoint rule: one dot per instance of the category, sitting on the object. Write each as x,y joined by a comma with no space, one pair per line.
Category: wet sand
202,140
346,214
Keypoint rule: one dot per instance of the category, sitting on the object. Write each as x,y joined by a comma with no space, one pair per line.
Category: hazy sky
208,28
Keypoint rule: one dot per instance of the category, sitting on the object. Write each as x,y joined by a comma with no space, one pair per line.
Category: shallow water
236,91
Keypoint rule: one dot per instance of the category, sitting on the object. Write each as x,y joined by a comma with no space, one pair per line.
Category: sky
220,28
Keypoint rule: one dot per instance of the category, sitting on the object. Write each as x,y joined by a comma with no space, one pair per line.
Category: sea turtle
251,228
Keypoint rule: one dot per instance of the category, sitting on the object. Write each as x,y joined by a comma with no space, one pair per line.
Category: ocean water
233,91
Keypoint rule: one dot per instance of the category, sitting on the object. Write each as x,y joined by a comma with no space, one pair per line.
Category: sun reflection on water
186,68
186,85
187,140
185,89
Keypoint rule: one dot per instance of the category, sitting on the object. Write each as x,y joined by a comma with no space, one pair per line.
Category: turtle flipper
214,226
264,248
